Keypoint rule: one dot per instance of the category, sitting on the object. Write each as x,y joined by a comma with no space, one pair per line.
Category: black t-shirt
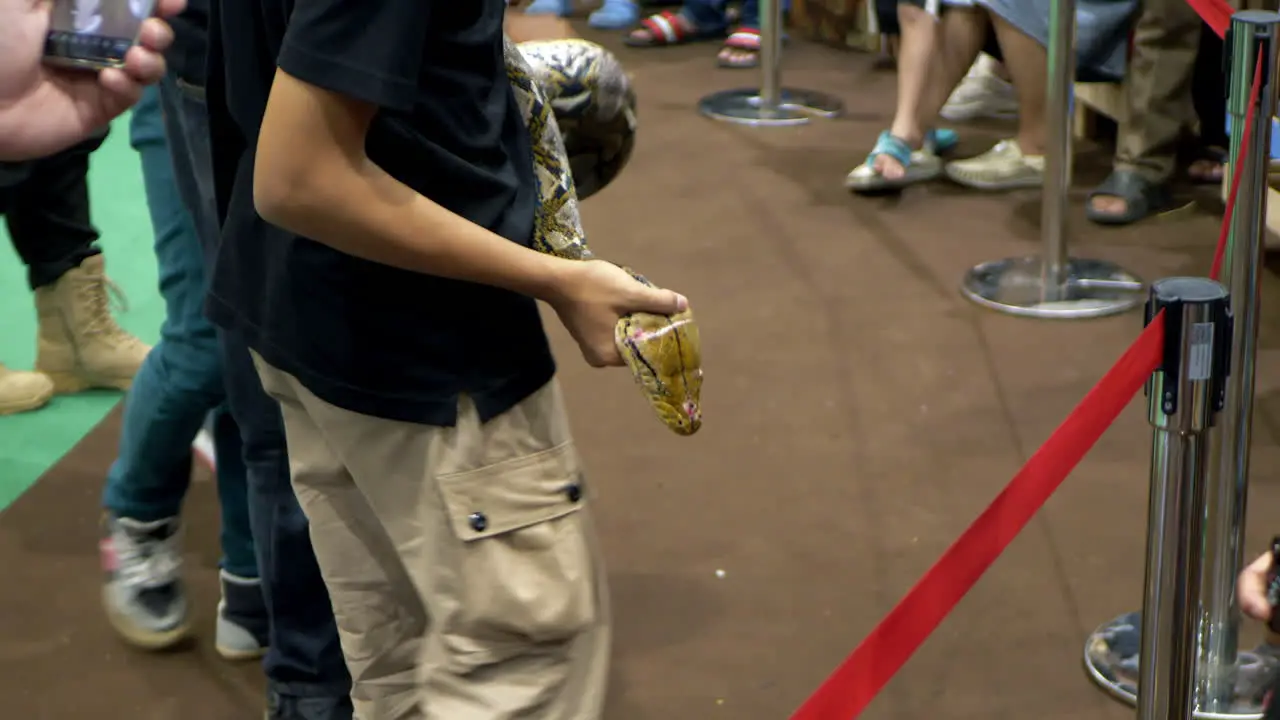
190,43
360,335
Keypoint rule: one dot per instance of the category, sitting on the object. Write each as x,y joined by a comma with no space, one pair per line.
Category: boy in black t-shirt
376,189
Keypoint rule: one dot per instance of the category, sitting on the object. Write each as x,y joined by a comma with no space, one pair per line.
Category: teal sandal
919,165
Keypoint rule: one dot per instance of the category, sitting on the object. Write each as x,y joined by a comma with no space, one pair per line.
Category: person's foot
242,626
669,28
549,7
142,592
982,94
23,391
741,50
79,345
1126,197
615,15
1205,171
288,707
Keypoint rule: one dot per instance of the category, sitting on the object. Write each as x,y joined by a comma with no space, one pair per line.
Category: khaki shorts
462,563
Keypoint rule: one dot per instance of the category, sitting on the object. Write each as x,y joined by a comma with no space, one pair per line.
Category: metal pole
1055,285
1183,397
771,53
771,104
1221,694
1057,160
1252,32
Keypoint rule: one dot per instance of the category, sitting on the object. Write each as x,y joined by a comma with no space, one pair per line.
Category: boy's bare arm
312,177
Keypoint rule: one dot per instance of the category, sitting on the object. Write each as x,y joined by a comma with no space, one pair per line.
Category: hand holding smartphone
94,34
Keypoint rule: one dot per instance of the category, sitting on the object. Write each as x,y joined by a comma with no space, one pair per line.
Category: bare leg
929,66
1028,65
964,30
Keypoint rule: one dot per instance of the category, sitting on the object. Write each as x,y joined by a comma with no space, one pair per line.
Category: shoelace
100,295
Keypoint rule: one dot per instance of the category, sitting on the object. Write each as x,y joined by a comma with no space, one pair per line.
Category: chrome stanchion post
1184,395
1251,33
1055,285
1220,690
771,103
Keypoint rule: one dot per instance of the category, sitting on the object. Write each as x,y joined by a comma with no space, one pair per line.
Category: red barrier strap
848,691
1215,13
853,685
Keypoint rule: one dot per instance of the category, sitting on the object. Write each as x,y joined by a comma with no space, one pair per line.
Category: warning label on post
1200,352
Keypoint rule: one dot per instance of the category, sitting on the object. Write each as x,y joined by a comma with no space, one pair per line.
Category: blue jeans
304,659
710,15
181,380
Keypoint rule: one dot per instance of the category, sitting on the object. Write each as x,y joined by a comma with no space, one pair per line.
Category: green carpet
30,443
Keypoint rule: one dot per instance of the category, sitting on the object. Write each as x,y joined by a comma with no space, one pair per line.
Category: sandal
1142,197
741,50
1207,167
669,28
918,165
615,15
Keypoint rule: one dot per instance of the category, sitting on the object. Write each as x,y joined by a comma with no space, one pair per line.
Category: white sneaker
982,94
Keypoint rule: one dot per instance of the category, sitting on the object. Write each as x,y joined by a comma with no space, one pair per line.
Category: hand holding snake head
576,95
664,354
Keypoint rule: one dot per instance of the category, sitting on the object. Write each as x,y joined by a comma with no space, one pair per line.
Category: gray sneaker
142,592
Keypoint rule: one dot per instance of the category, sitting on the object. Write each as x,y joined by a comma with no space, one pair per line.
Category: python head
663,354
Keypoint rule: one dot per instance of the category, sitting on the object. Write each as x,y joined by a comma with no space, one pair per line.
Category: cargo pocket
525,573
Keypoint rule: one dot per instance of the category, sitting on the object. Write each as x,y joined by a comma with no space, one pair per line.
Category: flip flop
669,28
1142,198
918,165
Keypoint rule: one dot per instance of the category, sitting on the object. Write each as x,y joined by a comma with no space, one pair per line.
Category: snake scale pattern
574,92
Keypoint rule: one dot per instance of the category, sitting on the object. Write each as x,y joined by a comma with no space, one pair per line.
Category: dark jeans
305,659
180,382
46,206
710,14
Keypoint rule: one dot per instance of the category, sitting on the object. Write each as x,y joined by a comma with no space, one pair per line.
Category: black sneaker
242,619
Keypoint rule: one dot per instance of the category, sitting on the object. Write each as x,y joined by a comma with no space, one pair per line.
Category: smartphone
94,34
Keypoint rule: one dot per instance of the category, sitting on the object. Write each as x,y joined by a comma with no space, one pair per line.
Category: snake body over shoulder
581,85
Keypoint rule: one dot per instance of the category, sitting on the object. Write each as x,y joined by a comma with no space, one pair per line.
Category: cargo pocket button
478,521
573,491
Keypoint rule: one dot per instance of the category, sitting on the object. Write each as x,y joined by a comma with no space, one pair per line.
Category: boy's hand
594,294
1251,589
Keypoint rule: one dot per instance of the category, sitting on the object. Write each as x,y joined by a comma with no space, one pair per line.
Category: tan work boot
23,391
80,345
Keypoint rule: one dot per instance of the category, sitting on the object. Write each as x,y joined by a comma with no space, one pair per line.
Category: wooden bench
1093,100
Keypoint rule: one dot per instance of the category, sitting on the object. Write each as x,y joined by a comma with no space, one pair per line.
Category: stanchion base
744,106
1093,288
1111,660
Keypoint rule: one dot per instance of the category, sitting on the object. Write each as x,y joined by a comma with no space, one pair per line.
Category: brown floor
859,414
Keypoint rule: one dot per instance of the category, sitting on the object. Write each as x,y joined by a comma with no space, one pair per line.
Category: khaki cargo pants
1159,107
462,563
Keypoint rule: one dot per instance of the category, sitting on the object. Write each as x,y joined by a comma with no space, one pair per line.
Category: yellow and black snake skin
590,93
